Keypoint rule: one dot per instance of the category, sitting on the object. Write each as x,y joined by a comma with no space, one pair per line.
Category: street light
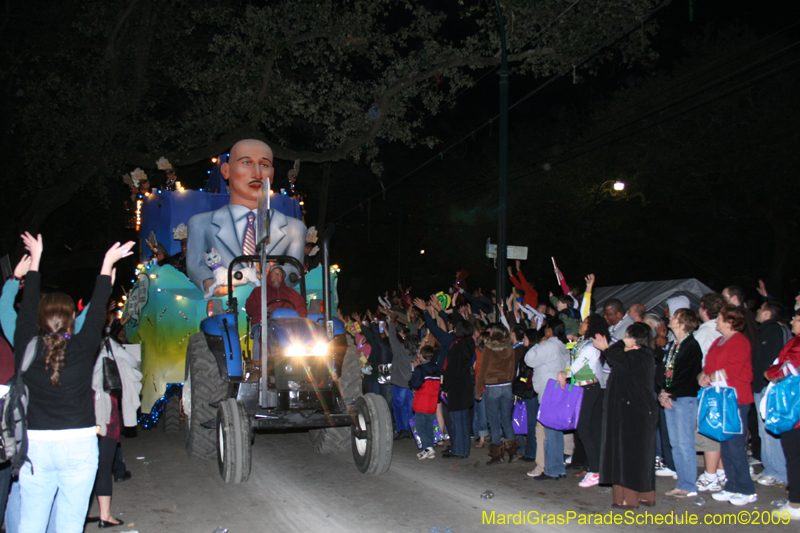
618,186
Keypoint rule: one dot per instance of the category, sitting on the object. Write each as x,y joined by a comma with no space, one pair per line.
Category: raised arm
29,310
8,316
586,302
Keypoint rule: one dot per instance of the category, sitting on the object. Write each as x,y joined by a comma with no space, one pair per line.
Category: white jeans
65,466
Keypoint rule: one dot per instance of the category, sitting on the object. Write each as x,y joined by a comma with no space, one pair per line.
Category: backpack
522,386
13,410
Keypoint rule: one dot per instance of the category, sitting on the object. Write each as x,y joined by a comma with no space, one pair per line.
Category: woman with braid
62,434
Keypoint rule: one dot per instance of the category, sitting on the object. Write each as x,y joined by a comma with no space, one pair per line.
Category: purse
560,408
522,386
718,412
111,379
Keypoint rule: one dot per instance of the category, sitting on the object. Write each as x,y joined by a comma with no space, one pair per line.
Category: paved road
292,489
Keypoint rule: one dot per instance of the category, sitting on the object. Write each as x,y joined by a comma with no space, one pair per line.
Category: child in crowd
425,383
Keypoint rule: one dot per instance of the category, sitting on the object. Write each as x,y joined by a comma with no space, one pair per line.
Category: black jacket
688,364
768,345
458,379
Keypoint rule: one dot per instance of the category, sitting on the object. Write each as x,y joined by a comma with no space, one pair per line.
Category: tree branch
250,130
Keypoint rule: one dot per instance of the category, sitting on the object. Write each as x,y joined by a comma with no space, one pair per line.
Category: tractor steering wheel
281,300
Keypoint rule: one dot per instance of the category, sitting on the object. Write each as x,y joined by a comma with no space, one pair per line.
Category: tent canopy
651,294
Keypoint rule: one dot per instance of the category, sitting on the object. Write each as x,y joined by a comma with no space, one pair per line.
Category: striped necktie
249,241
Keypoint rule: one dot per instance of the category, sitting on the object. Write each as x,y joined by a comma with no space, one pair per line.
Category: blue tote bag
783,404
718,412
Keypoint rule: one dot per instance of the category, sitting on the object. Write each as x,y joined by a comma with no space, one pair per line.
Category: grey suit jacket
216,229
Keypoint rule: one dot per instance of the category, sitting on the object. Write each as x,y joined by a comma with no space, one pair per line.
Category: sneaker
752,461
743,499
724,496
778,514
665,472
722,479
753,474
567,459
590,480
770,481
427,453
705,485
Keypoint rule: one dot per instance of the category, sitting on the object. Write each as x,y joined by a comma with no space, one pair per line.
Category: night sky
706,138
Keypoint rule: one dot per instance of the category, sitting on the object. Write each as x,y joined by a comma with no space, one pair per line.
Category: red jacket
253,304
531,296
425,382
734,357
791,353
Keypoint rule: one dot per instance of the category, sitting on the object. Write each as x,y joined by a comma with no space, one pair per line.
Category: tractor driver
279,296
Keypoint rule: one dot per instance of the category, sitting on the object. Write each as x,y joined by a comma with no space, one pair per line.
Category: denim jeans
663,447
499,408
386,392
480,427
67,467
554,452
532,406
13,517
682,422
459,433
734,457
401,403
771,451
424,423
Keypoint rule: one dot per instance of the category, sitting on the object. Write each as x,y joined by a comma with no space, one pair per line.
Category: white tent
651,294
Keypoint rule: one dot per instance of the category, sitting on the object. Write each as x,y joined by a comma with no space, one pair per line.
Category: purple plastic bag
519,418
560,409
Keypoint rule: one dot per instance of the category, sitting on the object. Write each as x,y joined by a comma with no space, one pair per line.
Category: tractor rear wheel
203,389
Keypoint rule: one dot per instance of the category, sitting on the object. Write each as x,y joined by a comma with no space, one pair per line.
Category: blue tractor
300,373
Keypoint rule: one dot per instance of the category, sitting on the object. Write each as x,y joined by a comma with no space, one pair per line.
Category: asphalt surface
292,489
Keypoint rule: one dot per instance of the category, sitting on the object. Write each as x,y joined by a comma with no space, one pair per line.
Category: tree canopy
114,84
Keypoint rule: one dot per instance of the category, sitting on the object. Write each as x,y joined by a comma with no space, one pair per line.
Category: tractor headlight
320,349
298,350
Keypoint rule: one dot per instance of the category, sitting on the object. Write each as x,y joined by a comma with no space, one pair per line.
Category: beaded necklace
573,354
671,356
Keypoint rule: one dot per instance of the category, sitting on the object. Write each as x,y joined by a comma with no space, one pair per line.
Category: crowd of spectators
468,362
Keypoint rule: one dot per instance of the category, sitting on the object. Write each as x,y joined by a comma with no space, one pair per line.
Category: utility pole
502,211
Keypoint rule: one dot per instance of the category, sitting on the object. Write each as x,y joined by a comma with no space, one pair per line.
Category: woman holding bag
585,367
729,359
790,440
